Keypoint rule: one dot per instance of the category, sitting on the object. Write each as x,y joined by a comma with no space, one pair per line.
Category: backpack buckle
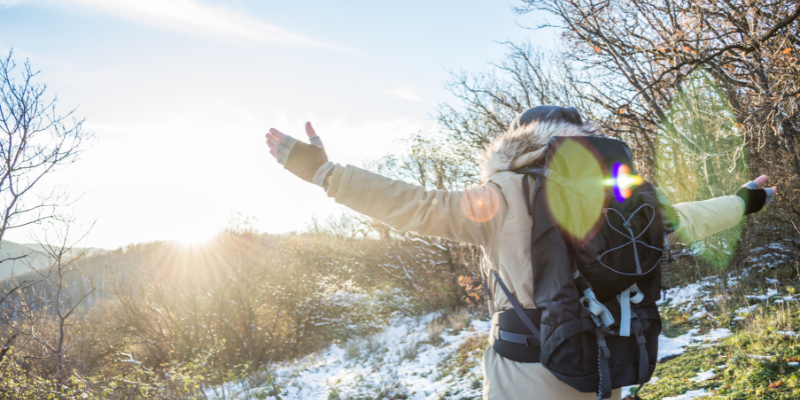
600,314
528,343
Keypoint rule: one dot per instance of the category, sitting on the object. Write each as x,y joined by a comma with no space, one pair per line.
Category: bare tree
636,56
35,140
489,100
641,60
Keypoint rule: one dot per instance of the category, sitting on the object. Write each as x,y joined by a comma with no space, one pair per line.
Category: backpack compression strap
630,295
518,308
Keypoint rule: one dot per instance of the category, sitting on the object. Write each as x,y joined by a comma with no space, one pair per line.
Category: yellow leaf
597,49
786,51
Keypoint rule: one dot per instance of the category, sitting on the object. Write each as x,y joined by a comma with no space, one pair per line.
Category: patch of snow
746,310
626,390
787,333
785,299
701,313
770,292
688,293
713,336
689,395
769,260
772,281
684,298
793,363
762,358
704,376
677,345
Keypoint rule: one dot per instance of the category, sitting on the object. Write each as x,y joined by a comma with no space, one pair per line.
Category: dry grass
435,330
409,351
361,347
460,319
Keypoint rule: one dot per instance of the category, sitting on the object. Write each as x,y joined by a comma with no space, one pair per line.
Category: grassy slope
758,303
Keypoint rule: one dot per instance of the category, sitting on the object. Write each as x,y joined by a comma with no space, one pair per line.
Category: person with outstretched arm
494,215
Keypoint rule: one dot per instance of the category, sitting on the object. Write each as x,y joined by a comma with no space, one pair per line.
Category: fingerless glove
754,198
301,159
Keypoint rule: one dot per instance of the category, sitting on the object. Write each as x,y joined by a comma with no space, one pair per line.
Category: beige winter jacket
495,217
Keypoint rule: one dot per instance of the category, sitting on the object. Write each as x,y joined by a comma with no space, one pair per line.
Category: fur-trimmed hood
525,145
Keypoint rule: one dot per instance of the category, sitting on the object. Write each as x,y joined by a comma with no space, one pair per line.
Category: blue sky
180,93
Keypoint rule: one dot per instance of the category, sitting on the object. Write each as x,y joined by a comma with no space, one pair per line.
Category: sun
194,236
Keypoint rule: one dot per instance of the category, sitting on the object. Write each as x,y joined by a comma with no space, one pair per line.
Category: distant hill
34,256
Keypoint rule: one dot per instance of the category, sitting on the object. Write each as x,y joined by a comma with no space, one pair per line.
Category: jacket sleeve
699,219
473,215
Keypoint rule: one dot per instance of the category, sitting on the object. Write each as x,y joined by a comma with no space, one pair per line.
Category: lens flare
480,204
703,155
622,181
577,199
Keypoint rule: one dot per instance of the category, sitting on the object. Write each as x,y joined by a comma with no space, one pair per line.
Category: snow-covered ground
401,360
388,366
404,360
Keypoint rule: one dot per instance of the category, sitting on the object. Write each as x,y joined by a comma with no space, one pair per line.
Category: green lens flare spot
576,194
700,154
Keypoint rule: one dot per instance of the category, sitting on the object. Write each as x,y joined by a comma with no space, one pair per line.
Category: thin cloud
407,93
9,3
193,17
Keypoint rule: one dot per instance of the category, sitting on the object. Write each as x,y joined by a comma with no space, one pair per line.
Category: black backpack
596,252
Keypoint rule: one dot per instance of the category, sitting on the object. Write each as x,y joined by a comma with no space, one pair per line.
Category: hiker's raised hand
754,198
301,159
